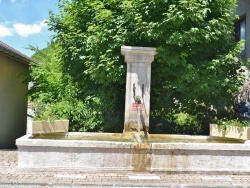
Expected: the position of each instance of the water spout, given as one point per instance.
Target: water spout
(138, 135)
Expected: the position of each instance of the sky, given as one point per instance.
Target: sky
(22, 23)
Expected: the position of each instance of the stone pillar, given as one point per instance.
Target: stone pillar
(138, 80)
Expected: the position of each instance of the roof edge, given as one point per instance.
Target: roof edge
(15, 54)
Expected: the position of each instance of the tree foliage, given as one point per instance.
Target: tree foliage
(55, 95)
(194, 72)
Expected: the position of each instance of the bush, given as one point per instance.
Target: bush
(82, 117)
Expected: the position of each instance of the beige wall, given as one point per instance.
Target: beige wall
(243, 9)
(13, 101)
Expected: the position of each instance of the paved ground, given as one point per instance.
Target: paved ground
(11, 177)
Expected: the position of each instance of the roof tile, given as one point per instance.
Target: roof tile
(14, 53)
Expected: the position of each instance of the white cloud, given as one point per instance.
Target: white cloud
(5, 31)
(25, 30)
(43, 23)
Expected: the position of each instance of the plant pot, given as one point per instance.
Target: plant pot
(45, 127)
(230, 132)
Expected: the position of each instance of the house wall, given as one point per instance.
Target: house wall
(243, 9)
(13, 101)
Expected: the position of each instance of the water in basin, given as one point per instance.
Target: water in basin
(132, 137)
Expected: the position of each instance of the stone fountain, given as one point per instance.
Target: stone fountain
(112, 151)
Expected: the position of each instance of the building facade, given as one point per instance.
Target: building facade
(242, 32)
(242, 26)
(13, 95)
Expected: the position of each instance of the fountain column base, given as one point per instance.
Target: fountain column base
(132, 127)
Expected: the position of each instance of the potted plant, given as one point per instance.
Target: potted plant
(44, 123)
(231, 129)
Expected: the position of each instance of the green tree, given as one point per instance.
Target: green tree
(56, 96)
(195, 70)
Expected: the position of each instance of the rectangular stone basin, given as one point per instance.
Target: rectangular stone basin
(111, 152)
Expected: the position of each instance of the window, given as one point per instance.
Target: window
(240, 30)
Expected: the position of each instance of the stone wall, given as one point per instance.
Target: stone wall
(133, 156)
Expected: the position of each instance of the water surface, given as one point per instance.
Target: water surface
(132, 137)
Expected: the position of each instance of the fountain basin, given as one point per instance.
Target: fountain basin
(94, 151)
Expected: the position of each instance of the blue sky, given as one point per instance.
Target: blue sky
(22, 23)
